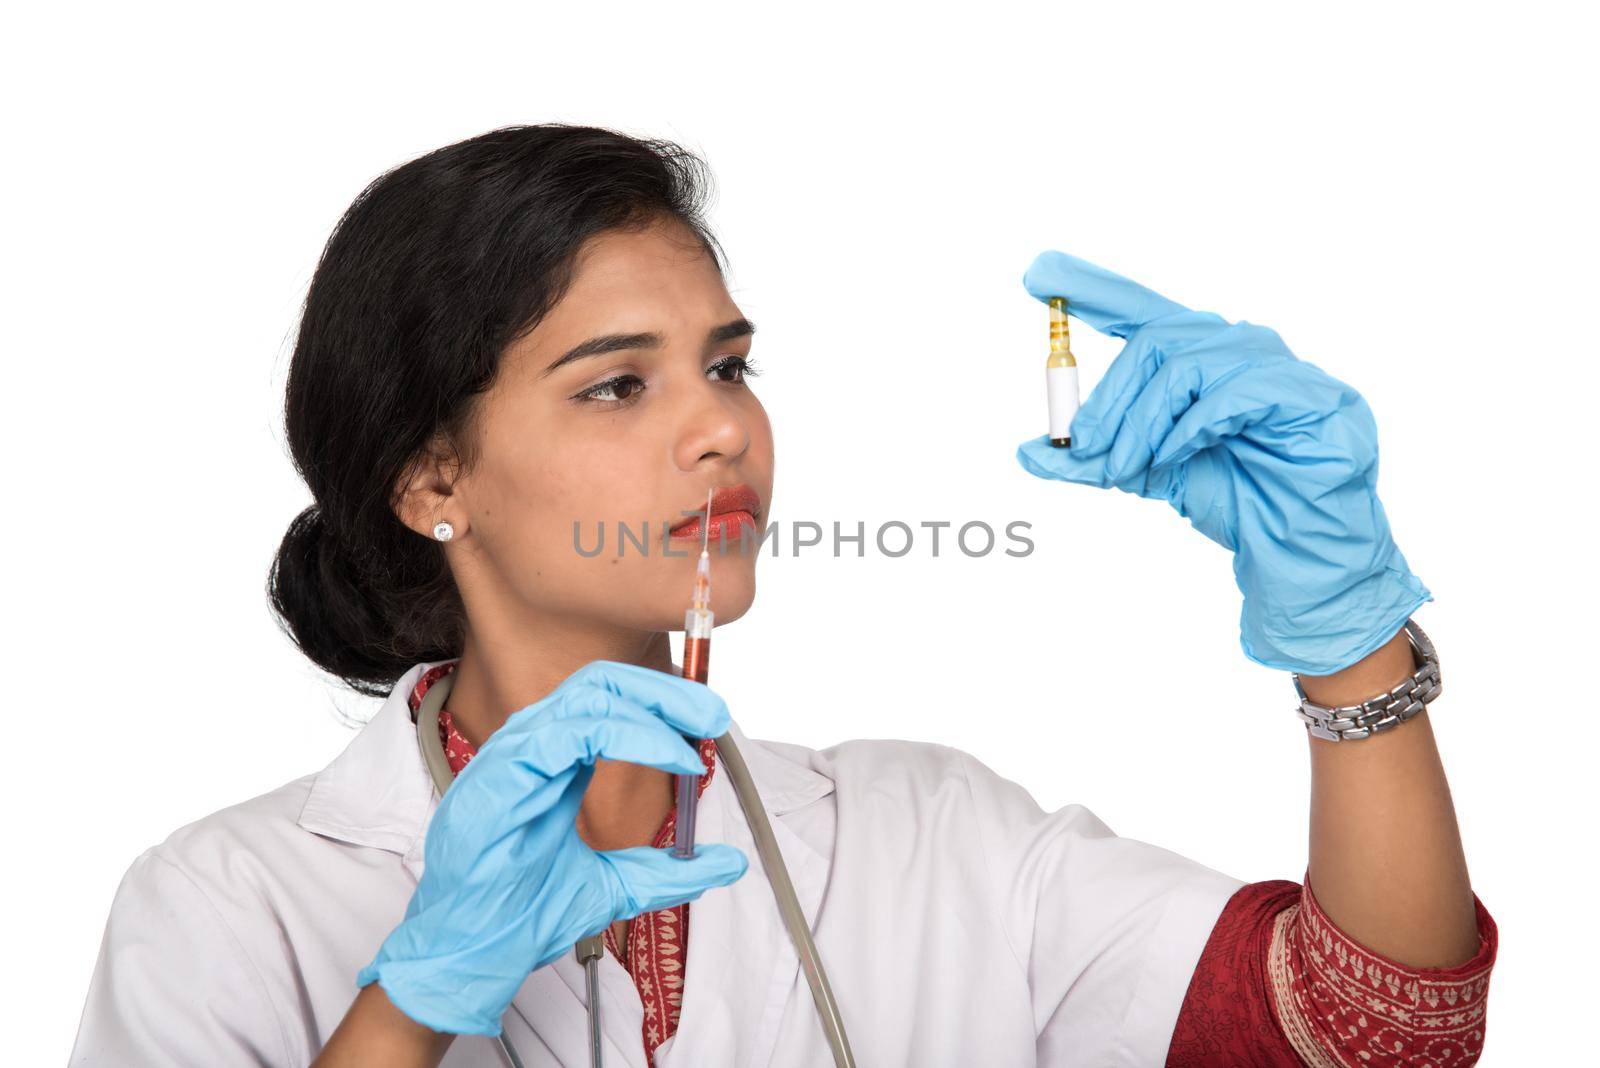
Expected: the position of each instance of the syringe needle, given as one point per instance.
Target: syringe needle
(705, 529)
(702, 572)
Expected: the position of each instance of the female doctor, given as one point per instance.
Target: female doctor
(530, 329)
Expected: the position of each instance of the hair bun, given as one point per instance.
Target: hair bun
(316, 593)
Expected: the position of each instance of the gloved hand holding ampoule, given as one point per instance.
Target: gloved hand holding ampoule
(507, 884)
(1262, 452)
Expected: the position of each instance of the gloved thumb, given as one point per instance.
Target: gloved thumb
(1038, 457)
(649, 879)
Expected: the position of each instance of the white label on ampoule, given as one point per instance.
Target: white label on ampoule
(1062, 385)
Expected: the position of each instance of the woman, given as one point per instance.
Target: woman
(527, 334)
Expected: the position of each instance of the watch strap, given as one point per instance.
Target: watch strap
(1349, 723)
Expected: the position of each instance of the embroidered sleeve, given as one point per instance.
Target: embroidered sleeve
(1278, 984)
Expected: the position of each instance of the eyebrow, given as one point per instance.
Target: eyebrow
(597, 346)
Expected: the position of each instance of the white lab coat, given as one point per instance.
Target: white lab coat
(960, 923)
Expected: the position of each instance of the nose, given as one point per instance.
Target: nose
(713, 429)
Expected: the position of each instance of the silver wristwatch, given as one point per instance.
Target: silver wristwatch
(1351, 723)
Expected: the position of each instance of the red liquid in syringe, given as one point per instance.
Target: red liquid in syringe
(696, 658)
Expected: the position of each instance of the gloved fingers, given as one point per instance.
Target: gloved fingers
(1098, 421)
(1132, 423)
(615, 730)
(1104, 299)
(1283, 410)
(538, 778)
(607, 688)
(495, 794)
(691, 707)
(1129, 390)
(1143, 424)
(648, 879)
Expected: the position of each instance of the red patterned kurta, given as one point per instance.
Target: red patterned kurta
(1277, 985)
(657, 941)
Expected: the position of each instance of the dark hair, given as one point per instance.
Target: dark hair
(432, 272)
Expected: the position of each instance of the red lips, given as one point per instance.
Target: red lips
(731, 508)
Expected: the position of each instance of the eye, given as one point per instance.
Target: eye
(738, 366)
(618, 388)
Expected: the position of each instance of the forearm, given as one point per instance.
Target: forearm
(375, 1032)
(1386, 863)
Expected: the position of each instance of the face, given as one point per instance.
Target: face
(621, 409)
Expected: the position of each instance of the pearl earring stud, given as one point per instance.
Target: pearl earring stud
(444, 532)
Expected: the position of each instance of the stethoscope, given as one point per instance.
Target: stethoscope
(590, 950)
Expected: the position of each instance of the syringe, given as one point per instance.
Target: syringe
(697, 623)
(696, 653)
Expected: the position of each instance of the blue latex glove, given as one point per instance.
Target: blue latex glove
(508, 885)
(1260, 451)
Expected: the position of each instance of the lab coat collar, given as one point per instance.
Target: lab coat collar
(742, 969)
(377, 792)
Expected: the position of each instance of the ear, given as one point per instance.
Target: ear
(424, 494)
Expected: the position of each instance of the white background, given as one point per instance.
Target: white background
(1405, 192)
